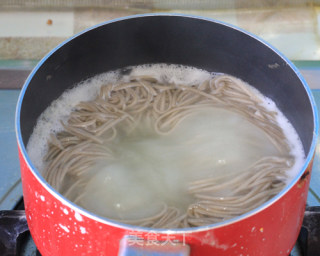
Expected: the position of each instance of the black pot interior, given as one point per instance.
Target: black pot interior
(174, 40)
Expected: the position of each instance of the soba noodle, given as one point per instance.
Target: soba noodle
(93, 124)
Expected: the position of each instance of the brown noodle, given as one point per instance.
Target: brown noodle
(75, 150)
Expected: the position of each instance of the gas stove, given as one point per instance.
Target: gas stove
(15, 238)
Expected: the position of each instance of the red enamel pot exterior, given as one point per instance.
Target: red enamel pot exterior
(59, 227)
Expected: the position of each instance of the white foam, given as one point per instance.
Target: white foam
(175, 74)
(295, 145)
(294, 142)
(60, 109)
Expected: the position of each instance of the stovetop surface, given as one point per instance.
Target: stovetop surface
(10, 181)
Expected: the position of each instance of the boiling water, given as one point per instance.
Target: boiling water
(150, 168)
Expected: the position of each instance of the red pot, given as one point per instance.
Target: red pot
(59, 227)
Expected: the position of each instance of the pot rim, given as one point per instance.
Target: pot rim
(107, 221)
